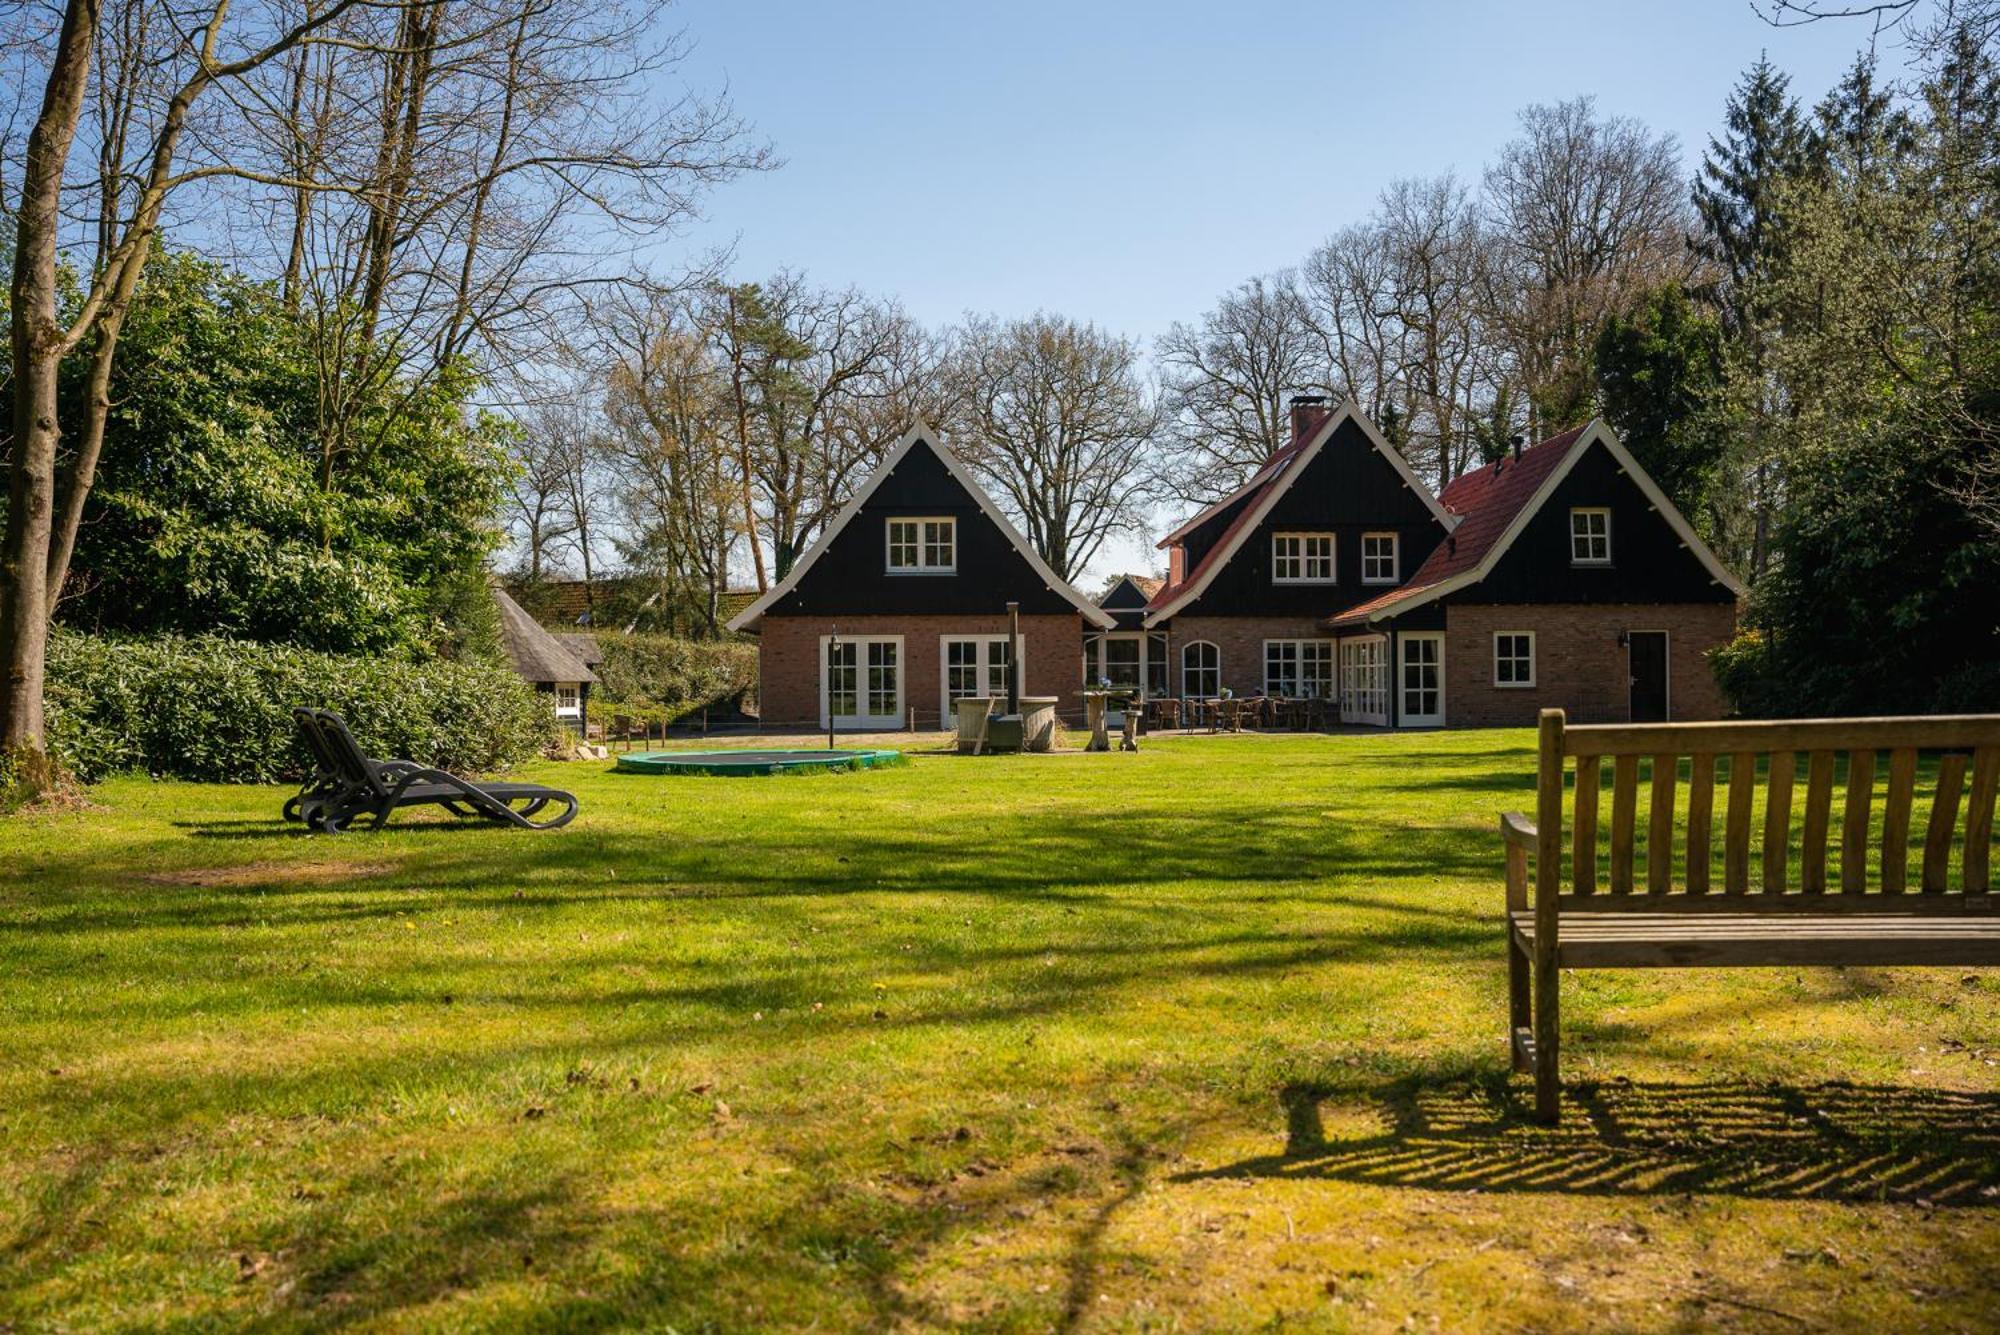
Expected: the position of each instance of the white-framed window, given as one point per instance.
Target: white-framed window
(1381, 558)
(1590, 536)
(1364, 680)
(1302, 558)
(923, 546)
(1513, 658)
(1201, 670)
(1298, 668)
(569, 700)
(861, 682)
(1423, 679)
(975, 665)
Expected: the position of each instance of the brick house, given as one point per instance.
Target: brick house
(1559, 576)
(900, 607)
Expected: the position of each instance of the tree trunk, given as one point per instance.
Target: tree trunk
(37, 350)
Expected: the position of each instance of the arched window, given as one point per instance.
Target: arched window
(1201, 670)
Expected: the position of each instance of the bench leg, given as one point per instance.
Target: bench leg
(1548, 1081)
(1519, 1013)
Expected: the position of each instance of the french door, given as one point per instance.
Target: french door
(861, 682)
(1364, 680)
(1422, 680)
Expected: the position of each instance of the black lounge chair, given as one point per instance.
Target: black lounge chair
(353, 784)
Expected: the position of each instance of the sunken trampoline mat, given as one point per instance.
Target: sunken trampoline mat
(753, 762)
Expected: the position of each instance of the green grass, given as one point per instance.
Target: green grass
(1209, 1036)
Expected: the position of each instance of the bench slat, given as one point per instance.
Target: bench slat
(1623, 940)
(1701, 808)
(1660, 826)
(1736, 834)
(1583, 840)
(1854, 821)
(1944, 816)
(1777, 820)
(1979, 820)
(1819, 813)
(1624, 808)
(1896, 820)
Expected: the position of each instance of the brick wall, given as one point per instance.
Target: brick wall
(1579, 666)
(788, 660)
(1241, 641)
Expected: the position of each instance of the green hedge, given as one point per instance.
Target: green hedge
(220, 710)
(662, 676)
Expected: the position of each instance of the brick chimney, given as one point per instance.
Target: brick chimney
(1308, 411)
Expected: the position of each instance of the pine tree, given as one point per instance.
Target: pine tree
(1858, 125)
(1741, 174)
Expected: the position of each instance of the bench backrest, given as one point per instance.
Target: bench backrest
(1927, 770)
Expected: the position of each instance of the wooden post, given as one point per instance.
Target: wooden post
(1548, 874)
(1520, 1010)
(1013, 665)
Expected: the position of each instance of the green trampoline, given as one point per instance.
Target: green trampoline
(753, 762)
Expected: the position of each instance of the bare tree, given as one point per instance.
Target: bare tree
(535, 497)
(1585, 212)
(1055, 415)
(1227, 378)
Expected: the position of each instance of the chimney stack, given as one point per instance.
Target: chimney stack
(1308, 411)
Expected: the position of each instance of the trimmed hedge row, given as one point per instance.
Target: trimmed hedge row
(669, 676)
(219, 710)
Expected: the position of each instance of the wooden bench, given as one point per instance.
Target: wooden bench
(1670, 908)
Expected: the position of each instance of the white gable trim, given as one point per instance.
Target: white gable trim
(1598, 432)
(750, 615)
(1347, 411)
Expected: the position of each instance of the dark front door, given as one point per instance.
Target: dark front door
(1648, 656)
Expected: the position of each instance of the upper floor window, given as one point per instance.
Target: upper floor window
(1590, 537)
(923, 546)
(1302, 558)
(1381, 558)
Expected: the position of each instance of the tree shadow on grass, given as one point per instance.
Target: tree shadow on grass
(1831, 1141)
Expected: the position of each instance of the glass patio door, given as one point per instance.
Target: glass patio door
(861, 683)
(1423, 681)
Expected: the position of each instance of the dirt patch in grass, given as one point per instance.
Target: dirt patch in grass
(264, 873)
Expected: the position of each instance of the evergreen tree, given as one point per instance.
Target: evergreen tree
(1658, 371)
(1735, 195)
(1858, 125)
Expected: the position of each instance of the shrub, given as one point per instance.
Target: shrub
(220, 710)
(1745, 672)
(674, 676)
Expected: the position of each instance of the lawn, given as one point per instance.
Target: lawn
(1210, 1036)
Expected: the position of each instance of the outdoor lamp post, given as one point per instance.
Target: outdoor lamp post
(832, 646)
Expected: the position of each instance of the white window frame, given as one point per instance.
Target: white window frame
(1395, 574)
(993, 674)
(1301, 559)
(1326, 681)
(1201, 644)
(1589, 539)
(1403, 714)
(924, 544)
(569, 699)
(1498, 658)
(863, 722)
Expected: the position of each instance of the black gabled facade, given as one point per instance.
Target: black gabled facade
(1650, 562)
(1347, 489)
(850, 577)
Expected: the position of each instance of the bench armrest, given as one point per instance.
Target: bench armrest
(1519, 834)
(1518, 829)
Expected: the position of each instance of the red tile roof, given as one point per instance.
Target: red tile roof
(1488, 498)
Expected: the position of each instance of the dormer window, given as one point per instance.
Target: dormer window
(1381, 558)
(1590, 537)
(923, 546)
(1302, 558)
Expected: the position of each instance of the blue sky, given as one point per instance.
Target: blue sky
(1126, 163)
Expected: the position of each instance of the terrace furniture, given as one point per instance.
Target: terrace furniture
(1867, 913)
(358, 785)
(1166, 711)
(1095, 706)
